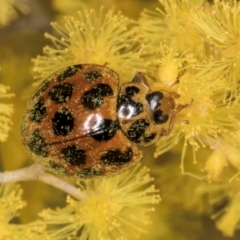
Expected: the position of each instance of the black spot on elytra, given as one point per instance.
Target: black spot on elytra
(153, 99)
(132, 90)
(38, 112)
(63, 122)
(105, 130)
(61, 93)
(89, 172)
(74, 155)
(116, 157)
(37, 144)
(40, 89)
(159, 118)
(136, 132)
(92, 76)
(93, 98)
(68, 72)
(127, 107)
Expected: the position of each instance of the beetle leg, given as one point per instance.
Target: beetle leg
(140, 78)
(174, 113)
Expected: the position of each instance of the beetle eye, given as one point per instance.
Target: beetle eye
(153, 99)
(159, 118)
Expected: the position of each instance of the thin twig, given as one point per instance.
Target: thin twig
(37, 172)
(61, 184)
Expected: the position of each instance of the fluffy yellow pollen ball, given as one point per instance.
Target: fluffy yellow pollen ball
(168, 73)
(215, 165)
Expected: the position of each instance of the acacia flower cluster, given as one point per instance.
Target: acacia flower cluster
(104, 37)
(114, 208)
(198, 43)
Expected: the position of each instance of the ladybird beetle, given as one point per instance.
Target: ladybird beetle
(79, 124)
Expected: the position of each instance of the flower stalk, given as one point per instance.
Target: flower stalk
(37, 172)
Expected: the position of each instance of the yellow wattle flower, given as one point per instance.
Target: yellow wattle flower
(94, 37)
(114, 208)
